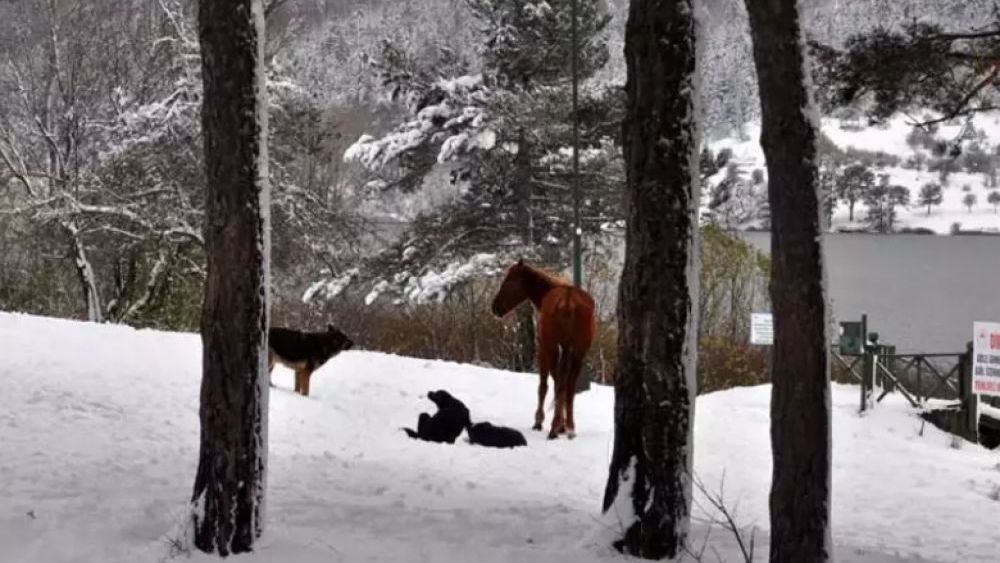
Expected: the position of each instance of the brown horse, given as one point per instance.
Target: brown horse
(565, 330)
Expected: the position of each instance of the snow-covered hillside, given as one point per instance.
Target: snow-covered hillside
(911, 170)
(99, 436)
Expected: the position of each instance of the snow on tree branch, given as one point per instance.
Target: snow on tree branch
(458, 122)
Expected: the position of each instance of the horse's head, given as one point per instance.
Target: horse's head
(512, 291)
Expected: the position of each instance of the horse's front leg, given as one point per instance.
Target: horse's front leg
(544, 368)
(543, 387)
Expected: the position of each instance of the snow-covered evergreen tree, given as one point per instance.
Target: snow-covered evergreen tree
(916, 63)
(930, 195)
(504, 134)
(882, 201)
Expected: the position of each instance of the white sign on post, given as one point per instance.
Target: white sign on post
(986, 358)
(762, 329)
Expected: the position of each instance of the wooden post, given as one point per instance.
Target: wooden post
(866, 365)
(867, 375)
(864, 327)
(920, 379)
(878, 381)
(970, 401)
(888, 351)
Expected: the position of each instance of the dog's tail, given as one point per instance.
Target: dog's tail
(410, 432)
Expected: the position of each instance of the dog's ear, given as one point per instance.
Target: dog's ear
(329, 328)
(520, 261)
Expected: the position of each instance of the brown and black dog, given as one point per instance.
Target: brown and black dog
(304, 352)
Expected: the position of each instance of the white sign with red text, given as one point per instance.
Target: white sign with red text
(986, 358)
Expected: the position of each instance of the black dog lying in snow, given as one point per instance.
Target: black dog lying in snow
(452, 417)
(485, 434)
(447, 423)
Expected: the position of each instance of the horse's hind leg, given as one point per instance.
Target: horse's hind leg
(574, 375)
(558, 419)
(543, 387)
(561, 377)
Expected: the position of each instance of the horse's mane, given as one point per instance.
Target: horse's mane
(542, 275)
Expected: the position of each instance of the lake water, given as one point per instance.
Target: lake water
(921, 293)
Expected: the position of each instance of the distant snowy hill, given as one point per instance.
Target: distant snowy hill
(908, 157)
(99, 441)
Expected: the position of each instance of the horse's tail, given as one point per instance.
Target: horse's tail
(563, 363)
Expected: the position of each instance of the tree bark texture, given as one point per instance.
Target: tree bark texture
(526, 334)
(228, 499)
(800, 400)
(649, 482)
(85, 273)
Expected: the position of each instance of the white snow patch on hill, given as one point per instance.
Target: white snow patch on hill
(891, 139)
(99, 439)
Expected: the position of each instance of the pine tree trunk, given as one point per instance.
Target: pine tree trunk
(526, 337)
(649, 481)
(85, 274)
(228, 498)
(523, 188)
(800, 400)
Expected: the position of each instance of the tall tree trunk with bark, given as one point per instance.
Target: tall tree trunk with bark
(525, 313)
(800, 400)
(228, 499)
(526, 335)
(85, 273)
(649, 482)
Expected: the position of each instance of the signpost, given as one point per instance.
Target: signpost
(762, 329)
(762, 334)
(852, 337)
(986, 358)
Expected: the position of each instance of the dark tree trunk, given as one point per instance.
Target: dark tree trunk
(526, 337)
(800, 401)
(85, 273)
(228, 494)
(649, 480)
(523, 188)
(525, 313)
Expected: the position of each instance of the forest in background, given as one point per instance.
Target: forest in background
(456, 139)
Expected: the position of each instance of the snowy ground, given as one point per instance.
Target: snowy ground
(891, 139)
(98, 443)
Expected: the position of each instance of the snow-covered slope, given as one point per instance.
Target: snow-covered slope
(99, 436)
(891, 139)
